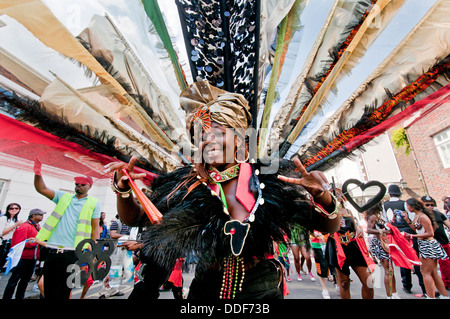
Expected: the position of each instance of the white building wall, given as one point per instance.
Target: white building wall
(380, 161)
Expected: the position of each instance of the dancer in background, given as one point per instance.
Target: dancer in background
(346, 252)
(395, 204)
(318, 241)
(301, 249)
(440, 235)
(430, 250)
(379, 247)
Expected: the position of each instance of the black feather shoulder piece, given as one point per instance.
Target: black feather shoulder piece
(194, 221)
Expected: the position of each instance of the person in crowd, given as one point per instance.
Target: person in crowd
(446, 206)
(175, 281)
(430, 250)
(104, 231)
(318, 241)
(135, 244)
(226, 208)
(398, 208)
(75, 218)
(117, 230)
(362, 223)
(346, 252)
(379, 247)
(22, 273)
(282, 250)
(440, 235)
(301, 249)
(8, 224)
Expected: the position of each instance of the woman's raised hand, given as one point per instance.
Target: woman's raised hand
(314, 182)
(121, 178)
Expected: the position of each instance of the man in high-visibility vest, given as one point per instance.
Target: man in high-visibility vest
(75, 217)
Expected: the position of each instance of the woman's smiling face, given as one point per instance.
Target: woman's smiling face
(218, 146)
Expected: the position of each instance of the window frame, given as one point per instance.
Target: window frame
(445, 158)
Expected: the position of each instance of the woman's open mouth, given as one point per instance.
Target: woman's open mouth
(212, 152)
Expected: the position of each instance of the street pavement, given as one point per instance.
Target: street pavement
(305, 289)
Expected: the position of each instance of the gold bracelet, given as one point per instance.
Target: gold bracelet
(117, 190)
(322, 211)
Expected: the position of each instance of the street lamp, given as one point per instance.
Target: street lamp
(403, 184)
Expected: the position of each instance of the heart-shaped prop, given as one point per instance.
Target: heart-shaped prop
(371, 202)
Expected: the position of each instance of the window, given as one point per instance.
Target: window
(442, 142)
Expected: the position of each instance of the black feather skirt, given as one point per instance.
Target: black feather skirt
(194, 222)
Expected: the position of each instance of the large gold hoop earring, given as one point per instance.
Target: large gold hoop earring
(238, 161)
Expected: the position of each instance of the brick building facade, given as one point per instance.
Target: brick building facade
(412, 180)
(429, 136)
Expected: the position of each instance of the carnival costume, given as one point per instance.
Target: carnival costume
(235, 258)
(429, 248)
(379, 245)
(346, 250)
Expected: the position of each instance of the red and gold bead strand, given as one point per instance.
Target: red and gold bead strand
(233, 270)
(230, 276)
(224, 277)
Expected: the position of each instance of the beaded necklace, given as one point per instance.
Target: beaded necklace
(234, 269)
(233, 265)
(219, 177)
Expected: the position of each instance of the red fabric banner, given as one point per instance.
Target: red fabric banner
(435, 99)
(27, 142)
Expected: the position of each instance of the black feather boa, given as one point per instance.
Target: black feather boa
(194, 223)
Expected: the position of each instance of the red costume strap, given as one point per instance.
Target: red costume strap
(340, 252)
(365, 252)
(215, 188)
(243, 194)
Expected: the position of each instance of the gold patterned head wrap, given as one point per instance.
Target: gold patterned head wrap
(202, 100)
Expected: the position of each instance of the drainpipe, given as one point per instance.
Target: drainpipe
(422, 179)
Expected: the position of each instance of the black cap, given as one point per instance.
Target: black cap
(428, 198)
(36, 211)
(394, 190)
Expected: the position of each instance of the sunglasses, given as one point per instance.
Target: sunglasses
(15, 208)
(428, 205)
(80, 184)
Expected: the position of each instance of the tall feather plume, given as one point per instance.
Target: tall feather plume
(31, 112)
(399, 69)
(326, 79)
(222, 39)
(393, 104)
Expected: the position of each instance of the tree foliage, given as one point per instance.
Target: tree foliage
(400, 139)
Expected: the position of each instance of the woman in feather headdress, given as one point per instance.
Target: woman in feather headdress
(223, 208)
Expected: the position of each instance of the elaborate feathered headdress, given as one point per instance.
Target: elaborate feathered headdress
(203, 102)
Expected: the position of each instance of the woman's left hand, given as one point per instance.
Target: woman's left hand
(314, 182)
(131, 245)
